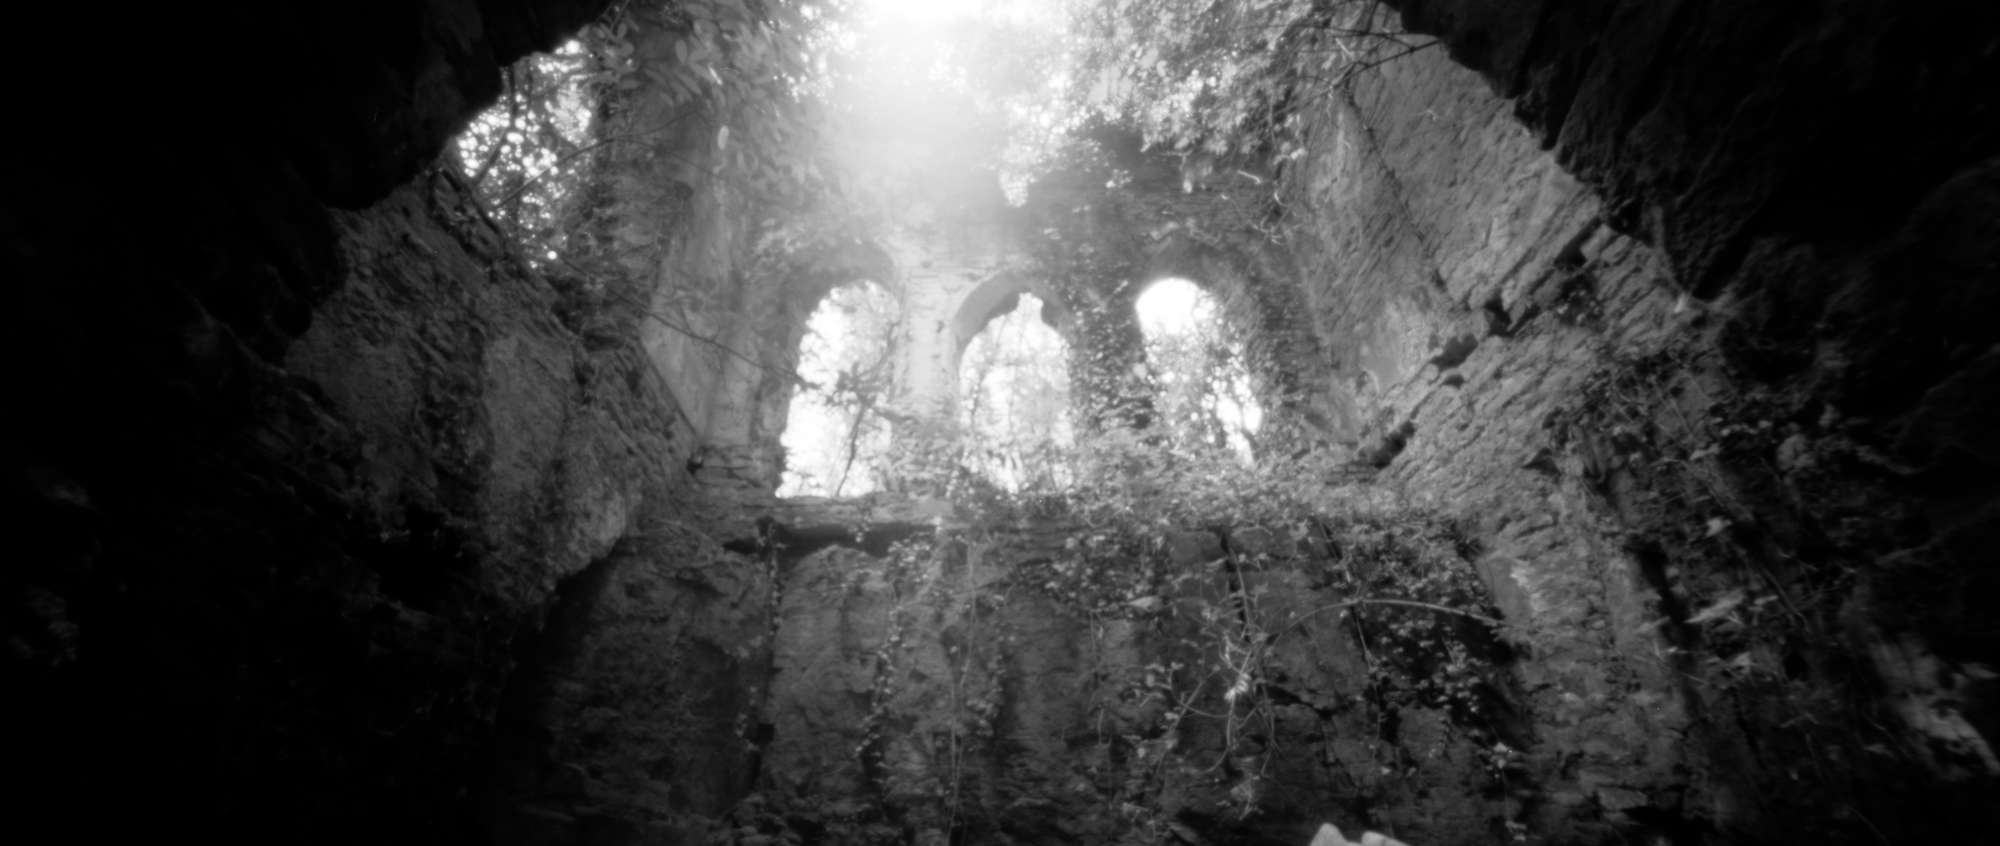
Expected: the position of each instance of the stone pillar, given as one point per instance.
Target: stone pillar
(936, 276)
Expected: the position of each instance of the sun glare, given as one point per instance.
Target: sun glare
(1173, 307)
(921, 10)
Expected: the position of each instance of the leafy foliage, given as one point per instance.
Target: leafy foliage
(1714, 485)
(526, 154)
(758, 71)
(1417, 656)
(1224, 78)
(1316, 573)
(731, 89)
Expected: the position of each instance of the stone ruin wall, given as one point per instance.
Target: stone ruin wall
(482, 523)
(1442, 245)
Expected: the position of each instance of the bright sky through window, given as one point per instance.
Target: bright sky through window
(835, 433)
(1174, 307)
(920, 10)
(1013, 400)
(1204, 380)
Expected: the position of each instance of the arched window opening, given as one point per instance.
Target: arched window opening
(1013, 401)
(836, 435)
(1205, 398)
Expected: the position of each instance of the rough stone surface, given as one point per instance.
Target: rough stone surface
(476, 400)
(1672, 386)
(341, 526)
(298, 481)
(961, 685)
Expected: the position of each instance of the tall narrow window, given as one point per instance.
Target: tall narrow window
(1205, 400)
(835, 434)
(1013, 400)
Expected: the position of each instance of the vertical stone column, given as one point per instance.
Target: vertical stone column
(936, 275)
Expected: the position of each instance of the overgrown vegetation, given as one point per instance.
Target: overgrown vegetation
(1758, 555)
(1220, 575)
(839, 133)
(1215, 663)
(711, 120)
(596, 149)
(526, 154)
(1226, 81)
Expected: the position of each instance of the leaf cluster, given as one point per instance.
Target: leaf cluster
(731, 90)
(527, 153)
(1223, 79)
(1417, 657)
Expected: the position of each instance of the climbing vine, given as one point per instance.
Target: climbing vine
(1301, 559)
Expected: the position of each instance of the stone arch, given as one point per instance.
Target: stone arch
(817, 274)
(995, 296)
(733, 378)
(814, 277)
(992, 297)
